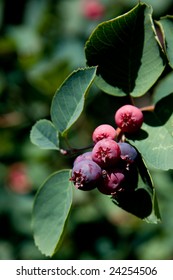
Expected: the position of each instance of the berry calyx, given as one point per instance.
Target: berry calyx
(103, 131)
(129, 118)
(106, 153)
(86, 174)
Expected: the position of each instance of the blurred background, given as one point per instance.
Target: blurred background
(41, 42)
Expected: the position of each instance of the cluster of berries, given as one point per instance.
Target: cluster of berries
(110, 166)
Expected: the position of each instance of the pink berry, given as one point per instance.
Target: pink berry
(104, 131)
(106, 153)
(129, 118)
(93, 9)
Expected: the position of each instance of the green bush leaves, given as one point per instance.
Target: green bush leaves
(124, 57)
(127, 54)
(50, 212)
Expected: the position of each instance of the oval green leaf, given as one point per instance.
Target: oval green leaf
(51, 208)
(127, 54)
(68, 102)
(44, 135)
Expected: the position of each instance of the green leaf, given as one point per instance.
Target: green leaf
(68, 102)
(51, 208)
(127, 54)
(164, 88)
(44, 135)
(155, 141)
(166, 24)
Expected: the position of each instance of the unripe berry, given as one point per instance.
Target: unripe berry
(86, 174)
(129, 118)
(103, 131)
(128, 152)
(106, 153)
(87, 155)
(112, 181)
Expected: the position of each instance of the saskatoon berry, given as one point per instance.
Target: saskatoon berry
(93, 9)
(86, 174)
(129, 118)
(106, 153)
(128, 152)
(112, 181)
(103, 131)
(119, 180)
(87, 155)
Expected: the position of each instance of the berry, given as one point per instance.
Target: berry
(106, 153)
(87, 155)
(121, 179)
(128, 152)
(93, 9)
(18, 178)
(103, 131)
(86, 174)
(129, 118)
(111, 182)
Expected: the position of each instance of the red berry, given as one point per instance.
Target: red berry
(93, 9)
(104, 131)
(106, 153)
(123, 178)
(129, 118)
(112, 181)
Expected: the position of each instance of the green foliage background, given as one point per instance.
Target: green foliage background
(41, 43)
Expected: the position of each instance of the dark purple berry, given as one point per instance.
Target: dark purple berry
(87, 155)
(106, 153)
(103, 131)
(86, 174)
(129, 118)
(128, 152)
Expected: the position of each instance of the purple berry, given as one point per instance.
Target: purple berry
(86, 174)
(120, 179)
(106, 153)
(129, 118)
(103, 131)
(87, 155)
(112, 181)
(128, 152)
